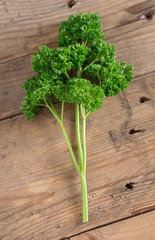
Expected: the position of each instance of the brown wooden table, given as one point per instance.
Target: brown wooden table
(40, 195)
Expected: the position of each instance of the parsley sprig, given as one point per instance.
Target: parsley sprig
(82, 71)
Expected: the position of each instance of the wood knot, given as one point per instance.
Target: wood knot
(135, 130)
(144, 99)
(148, 15)
(130, 185)
(71, 3)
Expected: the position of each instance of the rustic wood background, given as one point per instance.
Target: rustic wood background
(40, 195)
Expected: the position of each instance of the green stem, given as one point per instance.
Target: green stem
(62, 111)
(70, 148)
(39, 104)
(79, 72)
(91, 63)
(52, 109)
(78, 134)
(50, 104)
(84, 43)
(83, 175)
(84, 199)
(66, 74)
(84, 139)
(82, 154)
(87, 114)
(99, 79)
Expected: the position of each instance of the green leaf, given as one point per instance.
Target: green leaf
(103, 51)
(82, 28)
(81, 90)
(96, 62)
(36, 90)
(115, 77)
(111, 75)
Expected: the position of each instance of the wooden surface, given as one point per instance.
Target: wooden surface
(40, 195)
(124, 25)
(140, 227)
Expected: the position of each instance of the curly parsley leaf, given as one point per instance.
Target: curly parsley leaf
(82, 28)
(96, 62)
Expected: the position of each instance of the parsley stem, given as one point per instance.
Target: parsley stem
(91, 63)
(99, 79)
(70, 148)
(66, 74)
(84, 43)
(79, 72)
(84, 198)
(78, 134)
(52, 106)
(84, 139)
(83, 174)
(52, 109)
(62, 111)
(41, 105)
(82, 153)
(87, 114)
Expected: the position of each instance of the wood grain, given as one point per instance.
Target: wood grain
(137, 228)
(24, 25)
(40, 195)
(134, 43)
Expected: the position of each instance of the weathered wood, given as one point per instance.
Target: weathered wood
(135, 43)
(137, 228)
(27, 24)
(40, 195)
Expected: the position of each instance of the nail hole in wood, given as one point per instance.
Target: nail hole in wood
(71, 3)
(129, 185)
(144, 99)
(148, 15)
(134, 130)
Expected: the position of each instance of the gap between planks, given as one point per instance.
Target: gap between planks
(54, 45)
(30, 54)
(114, 223)
(37, 20)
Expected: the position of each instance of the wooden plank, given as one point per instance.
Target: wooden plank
(137, 228)
(27, 24)
(135, 43)
(40, 195)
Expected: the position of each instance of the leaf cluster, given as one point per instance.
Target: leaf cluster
(82, 28)
(82, 48)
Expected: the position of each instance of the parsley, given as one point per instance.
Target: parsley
(82, 70)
